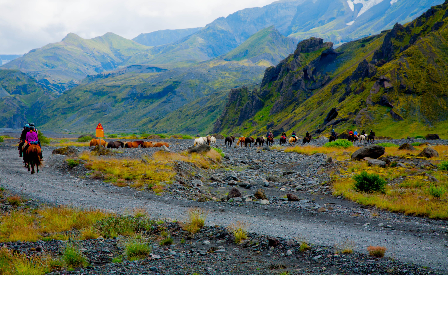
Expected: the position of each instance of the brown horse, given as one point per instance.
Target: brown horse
(115, 144)
(97, 142)
(306, 139)
(147, 144)
(241, 141)
(229, 140)
(259, 141)
(332, 138)
(31, 156)
(270, 141)
(249, 140)
(283, 140)
(133, 144)
(160, 144)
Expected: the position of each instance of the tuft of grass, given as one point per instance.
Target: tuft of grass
(387, 144)
(196, 220)
(304, 247)
(443, 165)
(117, 260)
(239, 231)
(345, 247)
(1, 139)
(89, 233)
(416, 144)
(21, 264)
(73, 257)
(369, 183)
(376, 251)
(167, 239)
(114, 226)
(436, 191)
(72, 162)
(219, 150)
(14, 200)
(137, 250)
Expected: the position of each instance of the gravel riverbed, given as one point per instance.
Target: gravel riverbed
(417, 245)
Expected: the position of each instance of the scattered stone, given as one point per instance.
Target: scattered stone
(69, 151)
(292, 198)
(199, 149)
(428, 152)
(289, 252)
(273, 242)
(264, 202)
(234, 192)
(406, 146)
(373, 152)
(259, 194)
(374, 162)
(196, 183)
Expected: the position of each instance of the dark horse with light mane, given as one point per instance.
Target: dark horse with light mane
(31, 156)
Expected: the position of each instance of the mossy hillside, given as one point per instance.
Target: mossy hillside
(416, 73)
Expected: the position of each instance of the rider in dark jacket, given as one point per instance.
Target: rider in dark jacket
(25, 130)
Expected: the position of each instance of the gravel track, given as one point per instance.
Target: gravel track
(419, 241)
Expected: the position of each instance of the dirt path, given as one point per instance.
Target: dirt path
(415, 242)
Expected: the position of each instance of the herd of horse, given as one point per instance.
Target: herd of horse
(32, 153)
(260, 141)
(129, 144)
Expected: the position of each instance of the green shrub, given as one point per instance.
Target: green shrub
(339, 143)
(419, 137)
(436, 191)
(366, 182)
(112, 135)
(443, 165)
(163, 136)
(137, 250)
(415, 144)
(43, 139)
(1, 139)
(85, 138)
(219, 150)
(122, 225)
(72, 163)
(73, 257)
(187, 137)
(304, 247)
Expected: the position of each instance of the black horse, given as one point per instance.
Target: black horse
(270, 141)
(229, 141)
(306, 139)
(332, 138)
(283, 140)
(259, 141)
(371, 137)
(115, 144)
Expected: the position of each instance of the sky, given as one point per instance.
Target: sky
(30, 24)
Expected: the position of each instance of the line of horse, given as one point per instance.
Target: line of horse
(364, 138)
(260, 141)
(129, 144)
(209, 140)
(31, 157)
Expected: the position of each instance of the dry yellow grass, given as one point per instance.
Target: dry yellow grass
(239, 231)
(336, 153)
(195, 222)
(153, 172)
(377, 251)
(53, 222)
(411, 196)
(20, 264)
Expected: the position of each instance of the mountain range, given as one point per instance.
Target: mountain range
(395, 83)
(178, 80)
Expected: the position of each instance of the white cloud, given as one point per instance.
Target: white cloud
(29, 24)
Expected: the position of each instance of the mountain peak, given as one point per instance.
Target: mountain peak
(71, 37)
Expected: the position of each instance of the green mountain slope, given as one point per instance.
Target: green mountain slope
(146, 98)
(395, 83)
(62, 65)
(21, 98)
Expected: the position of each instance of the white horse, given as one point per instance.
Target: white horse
(362, 138)
(199, 141)
(213, 140)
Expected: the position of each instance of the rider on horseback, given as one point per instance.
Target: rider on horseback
(294, 135)
(32, 138)
(25, 130)
(333, 132)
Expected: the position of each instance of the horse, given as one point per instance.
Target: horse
(160, 144)
(241, 141)
(249, 140)
(97, 142)
(133, 144)
(147, 144)
(115, 144)
(259, 141)
(292, 140)
(213, 140)
(306, 139)
(283, 140)
(270, 141)
(351, 137)
(31, 156)
(371, 137)
(229, 140)
(332, 138)
(201, 140)
(362, 138)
